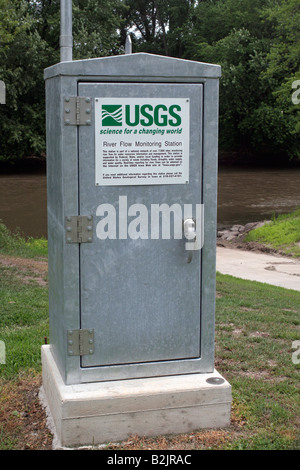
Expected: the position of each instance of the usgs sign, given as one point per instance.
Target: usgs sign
(145, 115)
(142, 141)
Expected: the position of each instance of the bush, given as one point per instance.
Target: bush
(15, 244)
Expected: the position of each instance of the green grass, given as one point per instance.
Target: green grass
(282, 233)
(23, 304)
(23, 321)
(13, 243)
(256, 325)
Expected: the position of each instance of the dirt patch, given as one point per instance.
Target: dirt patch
(22, 418)
(259, 334)
(29, 270)
(194, 440)
(240, 244)
(265, 375)
(237, 331)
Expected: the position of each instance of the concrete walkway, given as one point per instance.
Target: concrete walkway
(270, 269)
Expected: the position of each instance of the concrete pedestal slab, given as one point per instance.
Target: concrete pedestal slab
(95, 413)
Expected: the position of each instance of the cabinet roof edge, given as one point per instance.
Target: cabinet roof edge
(135, 65)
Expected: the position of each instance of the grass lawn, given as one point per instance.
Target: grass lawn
(256, 326)
(282, 233)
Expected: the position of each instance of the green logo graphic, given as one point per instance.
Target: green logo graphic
(111, 115)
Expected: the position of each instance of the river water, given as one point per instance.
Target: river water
(252, 195)
(244, 195)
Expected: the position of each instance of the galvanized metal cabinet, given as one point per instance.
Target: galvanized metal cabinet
(142, 309)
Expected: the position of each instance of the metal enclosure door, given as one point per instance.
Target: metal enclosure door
(141, 296)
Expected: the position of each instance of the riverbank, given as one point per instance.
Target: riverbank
(236, 237)
(280, 236)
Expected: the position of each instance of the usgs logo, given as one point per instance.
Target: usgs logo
(145, 115)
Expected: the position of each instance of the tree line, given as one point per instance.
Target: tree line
(257, 43)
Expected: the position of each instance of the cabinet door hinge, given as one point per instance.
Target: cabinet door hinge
(77, 111)
(80, 342)
(79, 229)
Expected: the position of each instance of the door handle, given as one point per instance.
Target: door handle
(189, 231)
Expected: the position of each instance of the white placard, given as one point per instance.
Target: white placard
(142, 141)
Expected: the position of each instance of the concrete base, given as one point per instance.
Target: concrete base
(96, 413)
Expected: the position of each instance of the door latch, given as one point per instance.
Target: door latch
(189, 231)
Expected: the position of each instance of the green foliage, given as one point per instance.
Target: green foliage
(9, 24)
(282, 233)
(16, 244)
(29, 45)
(242, 57)
(23, 321)
(257, 43)
(95, 28)
(275, 120)
(158, 26)
(284, 57)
